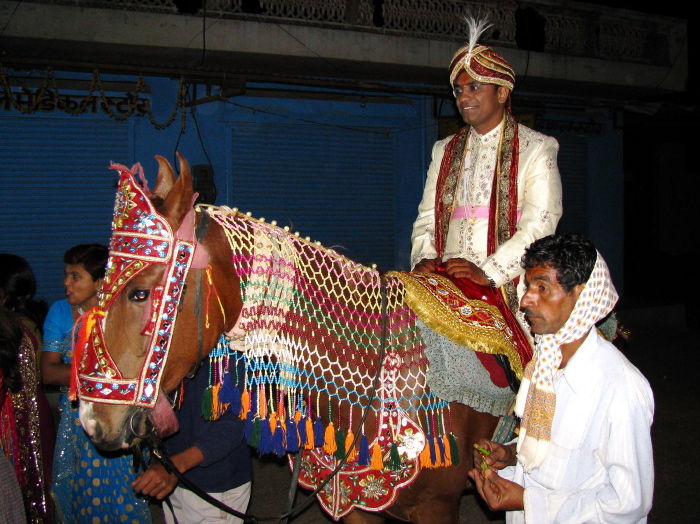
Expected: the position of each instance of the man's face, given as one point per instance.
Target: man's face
(481, 105)
(546, 304)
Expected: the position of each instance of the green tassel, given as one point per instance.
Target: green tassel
(255, 436)
(340, 442)
(207, 403)
(394, 458)
(454, 452)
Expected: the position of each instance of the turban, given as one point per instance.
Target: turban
(480, 61)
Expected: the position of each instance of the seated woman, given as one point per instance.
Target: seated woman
(87, 484)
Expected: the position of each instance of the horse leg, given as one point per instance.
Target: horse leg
(434, 496)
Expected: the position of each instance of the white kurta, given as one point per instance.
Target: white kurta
(539, 203)
(599, 467)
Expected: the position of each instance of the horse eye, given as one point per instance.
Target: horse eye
(139, 295)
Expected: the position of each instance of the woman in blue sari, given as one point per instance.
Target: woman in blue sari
(88, 486)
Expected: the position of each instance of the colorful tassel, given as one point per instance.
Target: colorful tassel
(340, 444)
(425, 456)
(448, 451)
(377, 462)
(216, 407)
(245, 404)
(278, 440)
(351, 451)
(248, 428)
(230, 394)
(303, 436)
(207, 404)
(292, 436)
(255, 436)
(431, 445)
(394, 463)
(265, 443)
(329, 444)
(318, 433)
(273, 419)
(454, 451)
(363, 454)
(310, 437)
(440, 455)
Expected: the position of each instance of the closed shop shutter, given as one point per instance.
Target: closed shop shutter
(56, 189)
(333, 185)
(573, 166)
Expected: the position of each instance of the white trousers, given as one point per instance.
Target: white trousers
(190, 509)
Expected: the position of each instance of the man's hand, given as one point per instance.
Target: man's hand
(498, 493)
(497, 456)
(155, 482)
(427, 265)
(461, 268)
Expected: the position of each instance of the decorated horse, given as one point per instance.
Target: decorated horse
(337, 366)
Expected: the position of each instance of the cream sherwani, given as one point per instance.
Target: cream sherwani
(539, 203)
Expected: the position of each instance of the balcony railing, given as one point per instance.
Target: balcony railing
(549, 26)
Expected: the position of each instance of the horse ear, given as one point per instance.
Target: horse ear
(178, 201)
(165, 180)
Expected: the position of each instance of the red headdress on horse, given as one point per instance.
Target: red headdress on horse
(140, 237)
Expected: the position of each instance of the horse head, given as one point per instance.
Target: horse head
(164, 260)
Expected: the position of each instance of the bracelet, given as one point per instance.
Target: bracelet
(491, 282)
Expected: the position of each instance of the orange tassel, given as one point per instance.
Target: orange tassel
(297, 416)
(348, 442)
(245, 404)
(273, 421)
(88, 322)
(216, 406)
(329, 445)
(425, 456)
(309, 434)
(377, 462)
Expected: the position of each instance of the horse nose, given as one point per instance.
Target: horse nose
(89, 425)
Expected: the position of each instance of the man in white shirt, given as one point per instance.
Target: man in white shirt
(584, 451)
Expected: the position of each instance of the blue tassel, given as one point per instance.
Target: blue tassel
(303, 438)
(265, 444)
(278, 441)
(363, 455)
(441, 445)
(319, 433)
(230, 394)
(248, 428)
(431, 443)
(292, 437)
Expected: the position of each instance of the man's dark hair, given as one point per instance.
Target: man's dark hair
(93, 257)
(572, 255)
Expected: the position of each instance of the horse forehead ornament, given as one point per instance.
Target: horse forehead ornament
(141, 237)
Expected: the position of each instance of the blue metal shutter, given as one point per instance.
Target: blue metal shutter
(573, 166)
(333, 185)
(56, 189)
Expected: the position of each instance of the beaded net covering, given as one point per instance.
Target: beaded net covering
(311, 333)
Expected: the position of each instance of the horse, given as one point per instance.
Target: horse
(343, 344)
